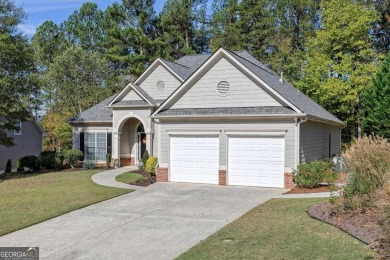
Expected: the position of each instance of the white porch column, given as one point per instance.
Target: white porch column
(116, 140)
(149, 143)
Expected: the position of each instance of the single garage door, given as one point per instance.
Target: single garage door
(256, 161)
(194, 159)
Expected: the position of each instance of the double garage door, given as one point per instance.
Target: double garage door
(252, 160)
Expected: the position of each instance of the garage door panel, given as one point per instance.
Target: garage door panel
(194, 159)
(256, 161)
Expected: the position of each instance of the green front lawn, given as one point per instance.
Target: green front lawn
(32, 198)
(279, 229)
(129, 177)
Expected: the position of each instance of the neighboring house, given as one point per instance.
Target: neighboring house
(223, 118)
(28, 140)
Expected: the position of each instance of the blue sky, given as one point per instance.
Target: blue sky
(39, 11)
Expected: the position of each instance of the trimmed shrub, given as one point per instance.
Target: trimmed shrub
(145, 157)
(88, 165)
(311, 175)
(73, 156)
(108, 160)
(19, 167)
(8, 166)
(47, 160)
(31, 162)
(151, 165)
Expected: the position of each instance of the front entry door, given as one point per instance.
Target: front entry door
(141, 141)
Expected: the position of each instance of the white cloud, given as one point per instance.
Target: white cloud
(27, 29)
(38, 6)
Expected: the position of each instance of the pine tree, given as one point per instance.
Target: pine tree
(16, 64)
(225, 29)
(85, 28)
(178, 24)
(376, 103)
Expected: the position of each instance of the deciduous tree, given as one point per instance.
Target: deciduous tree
(341, 61)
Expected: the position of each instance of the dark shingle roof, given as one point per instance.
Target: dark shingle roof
(188, 64)
(97, 113)
(228, 111)
(181, 70)
(288, 91)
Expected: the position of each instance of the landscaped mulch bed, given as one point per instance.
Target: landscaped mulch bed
(363, 225)
(148, 179)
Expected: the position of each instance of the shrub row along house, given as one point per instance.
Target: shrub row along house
(223, 118)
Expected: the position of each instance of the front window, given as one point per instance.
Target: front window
(95, 146)
(18, 132)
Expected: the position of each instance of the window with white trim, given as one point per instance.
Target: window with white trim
(95, 146)
(18, 132)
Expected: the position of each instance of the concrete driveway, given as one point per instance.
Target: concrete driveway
(158, 222)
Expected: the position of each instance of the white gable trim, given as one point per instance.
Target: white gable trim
(201, 69)
(125, 91)
(152, 67)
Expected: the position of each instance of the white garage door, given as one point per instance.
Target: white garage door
(194, 159)
(256, 161)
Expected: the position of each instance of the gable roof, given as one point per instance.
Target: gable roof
(98, 113)
(153, 66)
(139, 91)
(298, 101)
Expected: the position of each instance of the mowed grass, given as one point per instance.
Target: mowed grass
(279, 229)
(32, 198)
(129, 177)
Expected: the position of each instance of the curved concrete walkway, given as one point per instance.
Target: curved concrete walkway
(107, 178)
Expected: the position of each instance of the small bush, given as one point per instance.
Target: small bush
(88, 165)
(108, 160)
(311, 175)
(145, 157)
(73, 156)
(151, 165)
(31, 162)
(19, 167)
(50, 160)
(8, 166)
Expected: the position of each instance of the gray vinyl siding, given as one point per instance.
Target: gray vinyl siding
(314, 139)
(29, 143)
(160, 74)
(244, 92)
(221, 127)
(132, 96)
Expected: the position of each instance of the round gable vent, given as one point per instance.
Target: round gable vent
(223, 88)
(160, 85)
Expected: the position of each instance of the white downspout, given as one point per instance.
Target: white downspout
(298, 122)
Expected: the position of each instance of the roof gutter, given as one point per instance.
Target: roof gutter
(314, 118)
(229, 116)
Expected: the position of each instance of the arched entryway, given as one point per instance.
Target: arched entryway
(133, 142)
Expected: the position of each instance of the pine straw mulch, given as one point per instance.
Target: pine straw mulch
(363, 224)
